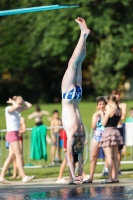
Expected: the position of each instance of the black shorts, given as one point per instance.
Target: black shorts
(39, 123)
(75, 158)
(120, 147)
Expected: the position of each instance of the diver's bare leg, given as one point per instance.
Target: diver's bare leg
(79, 68)
(77, 56)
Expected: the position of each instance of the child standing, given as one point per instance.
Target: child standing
(55, 122)
(98, 130)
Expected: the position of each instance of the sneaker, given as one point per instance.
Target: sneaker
(86, 177)
(28, 179)
(52, 163)
(60, 180)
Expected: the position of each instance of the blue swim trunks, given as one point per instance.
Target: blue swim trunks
(75, 93)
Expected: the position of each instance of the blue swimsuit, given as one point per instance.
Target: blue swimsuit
(99, 130)
(75, 93)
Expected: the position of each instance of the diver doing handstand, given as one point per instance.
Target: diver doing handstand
(71, 95)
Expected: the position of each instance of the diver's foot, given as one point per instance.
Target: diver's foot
(82, 24)
(83, 21)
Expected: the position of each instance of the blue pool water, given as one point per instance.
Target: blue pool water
(75, 193)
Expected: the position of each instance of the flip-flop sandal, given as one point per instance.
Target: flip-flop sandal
(87, 181)
(4, 181)
(28, 179)
(117, 181)
(106, 182)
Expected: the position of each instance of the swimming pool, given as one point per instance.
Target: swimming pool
(74, 193)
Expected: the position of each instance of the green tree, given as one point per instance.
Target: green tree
(114, 56)
(35, 48)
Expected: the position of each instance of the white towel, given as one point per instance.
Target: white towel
(129, 133)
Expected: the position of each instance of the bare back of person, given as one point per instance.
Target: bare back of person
(123, 106)
(115, 111)
(38, 116)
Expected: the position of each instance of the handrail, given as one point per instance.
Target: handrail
(48, 128)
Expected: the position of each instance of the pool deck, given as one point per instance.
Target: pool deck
(51, 183)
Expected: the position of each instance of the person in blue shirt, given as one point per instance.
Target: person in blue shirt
(130, 118)
(98, 130)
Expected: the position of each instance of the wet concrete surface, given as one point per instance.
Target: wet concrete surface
(47, 189)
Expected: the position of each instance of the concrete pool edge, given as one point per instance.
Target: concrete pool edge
(51, 183)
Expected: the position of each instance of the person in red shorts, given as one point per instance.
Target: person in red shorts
(21, 132)
(64, 163)
(12, 114)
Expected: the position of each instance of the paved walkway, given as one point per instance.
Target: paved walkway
(51, 183)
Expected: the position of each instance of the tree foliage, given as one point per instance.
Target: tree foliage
(114, 55)
(35, 48)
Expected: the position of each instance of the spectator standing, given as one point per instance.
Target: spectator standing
(21, 132)
(12, 114)
(130, 118)
(37, 115)
(123, 106)
(111, 137)
(55, 135)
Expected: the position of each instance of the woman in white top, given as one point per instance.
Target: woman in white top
(12, 114)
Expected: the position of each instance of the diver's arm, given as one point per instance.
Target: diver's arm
(80, 164)
(70, 142)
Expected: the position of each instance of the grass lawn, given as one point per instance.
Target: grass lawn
(86, 109)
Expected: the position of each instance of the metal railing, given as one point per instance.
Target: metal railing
(26, 149)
